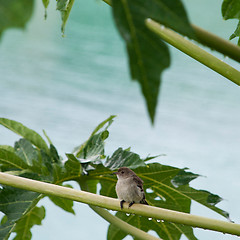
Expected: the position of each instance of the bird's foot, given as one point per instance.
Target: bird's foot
(121, 204)
(131, 203)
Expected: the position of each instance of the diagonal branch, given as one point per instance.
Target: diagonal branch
(194, 51)
(111, 203)
(126, 227)
(212, 41)
(119, 223)
(217, 43)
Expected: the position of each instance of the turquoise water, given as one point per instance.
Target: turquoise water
(68, 85)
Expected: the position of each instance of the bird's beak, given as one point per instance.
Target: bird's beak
(115, 173)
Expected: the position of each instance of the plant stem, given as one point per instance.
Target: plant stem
(129, 229)
(194, 51)
(111, 203)
(219, 44)
(119, 223)
(212, 41)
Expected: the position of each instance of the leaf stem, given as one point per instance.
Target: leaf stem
(212, 41)
(217, 43)
(194, 51)
(129, 229)
(111, 203)
(119, 223)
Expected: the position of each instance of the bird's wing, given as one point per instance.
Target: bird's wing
(139, 182)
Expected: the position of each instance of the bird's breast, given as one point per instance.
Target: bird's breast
(128, 190)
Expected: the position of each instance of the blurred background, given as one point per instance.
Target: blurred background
(67, 86)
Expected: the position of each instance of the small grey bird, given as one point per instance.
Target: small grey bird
(129, 187)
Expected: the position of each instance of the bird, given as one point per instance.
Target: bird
(129, 187)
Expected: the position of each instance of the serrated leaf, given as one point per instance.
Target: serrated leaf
(101, 136)
(183, 178)
(64, 6)
(165, 187)
(15, 203)
(23, 227)
(148, 55)
(25, 132)
(205, 198)
(63, 203)
(159, 178)
(123, 158)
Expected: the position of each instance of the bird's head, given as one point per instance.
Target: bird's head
(124, 172)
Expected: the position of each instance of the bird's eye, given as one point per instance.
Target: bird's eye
(122, 172)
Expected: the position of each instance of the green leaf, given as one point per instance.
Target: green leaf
(123, 158)
(164, 229)
(11, 160)
(165, 187)
(35, 163)
(98, 138)
(148, 55)
(167, 194)
(7, 147)
(94, 147)
(183, 178)
(236, 33)
(73, 165)
(25, 150)
(15, 203)
(47, 137)
(64, 6)
(107, 122)
(54, 154)
(71, 170)
(46, 161)
(25, 132)
(103, 174)
(231, 10)
(45, 4)
(65, 204)
(23, 227)
(15, 13)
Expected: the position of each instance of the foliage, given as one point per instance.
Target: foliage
(148, 54)
(231, 10)
(15, 14)
(65, 8)
(32, 157)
